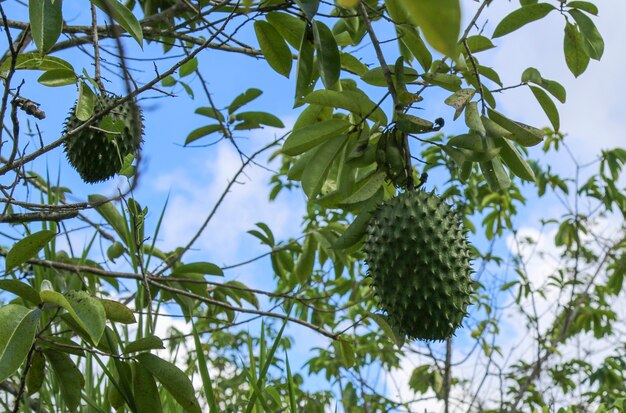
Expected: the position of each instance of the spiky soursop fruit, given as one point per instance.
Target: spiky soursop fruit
(419, 260)
(97, 153)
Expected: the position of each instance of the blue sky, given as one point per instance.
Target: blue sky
(193, 178)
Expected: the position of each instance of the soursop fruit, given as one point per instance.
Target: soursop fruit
(98, 152)
(418, 257)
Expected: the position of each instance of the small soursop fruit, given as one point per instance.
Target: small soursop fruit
(98, 153)
(418, 256)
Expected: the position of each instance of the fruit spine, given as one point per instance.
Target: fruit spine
(98, 152)
(418, 257)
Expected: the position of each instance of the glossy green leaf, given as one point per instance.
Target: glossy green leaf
(413, 124)
(585, 6)
(439, 20)
(305, 81)
(548, 106)
(554, 88)
(472, 119)
(514, 160)
(309, 7)
(201, 132)
(496, 176)
(413, 41)
(173, 379)
(207, 268)
(366, 188)
(118, 312)
(147, 399)
(87, 311)
(328, 57)
(188, 67)
(210, 112)
(46, 22)
(290, 27)
(21, 290)
(58, 77)
(274, 48)
(35, 61)
(523, 134)
(303, 139)
(260, 118)
(306, 260)
(36, 373)
(27, 248)
(18, 326)
(521, 17)
(69, 378)
(574, 48)
(376, 76)
(85, 104)
(356, 102)
(110, 214)
(592, 38)
(479, 43)
(316, 171)
(144, 344)
(120, 13)
(354, 233)
(352, 64)
(244, 98)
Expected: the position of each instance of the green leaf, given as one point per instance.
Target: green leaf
(110, 214)
(27, 248)
(548, 106)
(316, 171)
(305, 81)
(261, 118)
(366, 188)
(554, 88)
(413, 124)
(387, 330)
(472, 119)
(85, 103)
(347, 353)
(290, 27)
(574, 48)
(309, 7)
(356, 102)
(145, 390)
(173, 379)
(207, 268)
(87, 311)
(120, 13)
(352, 64)
(459, 99)
(354, 233)
(36, 373)
(307, 137)
(496, 176)
(376, 76)
(18, 326)
(274, 48)
(46, 22)
(514, 160)
(204, 371)
(210, 112)
(439, 20)
(306, 260)
(116, 311)
(479, 43)
(523, 134)
(35, 61)
(413, 41)
(144, 344)
(69, 378)
(244, 98)
(521, 17)
(201, 132)
(188, 67)
(585, 6)
(22, 290)
(328, 57)
(592, 37)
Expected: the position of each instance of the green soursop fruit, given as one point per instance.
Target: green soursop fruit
(418, 256)
(97, 153)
